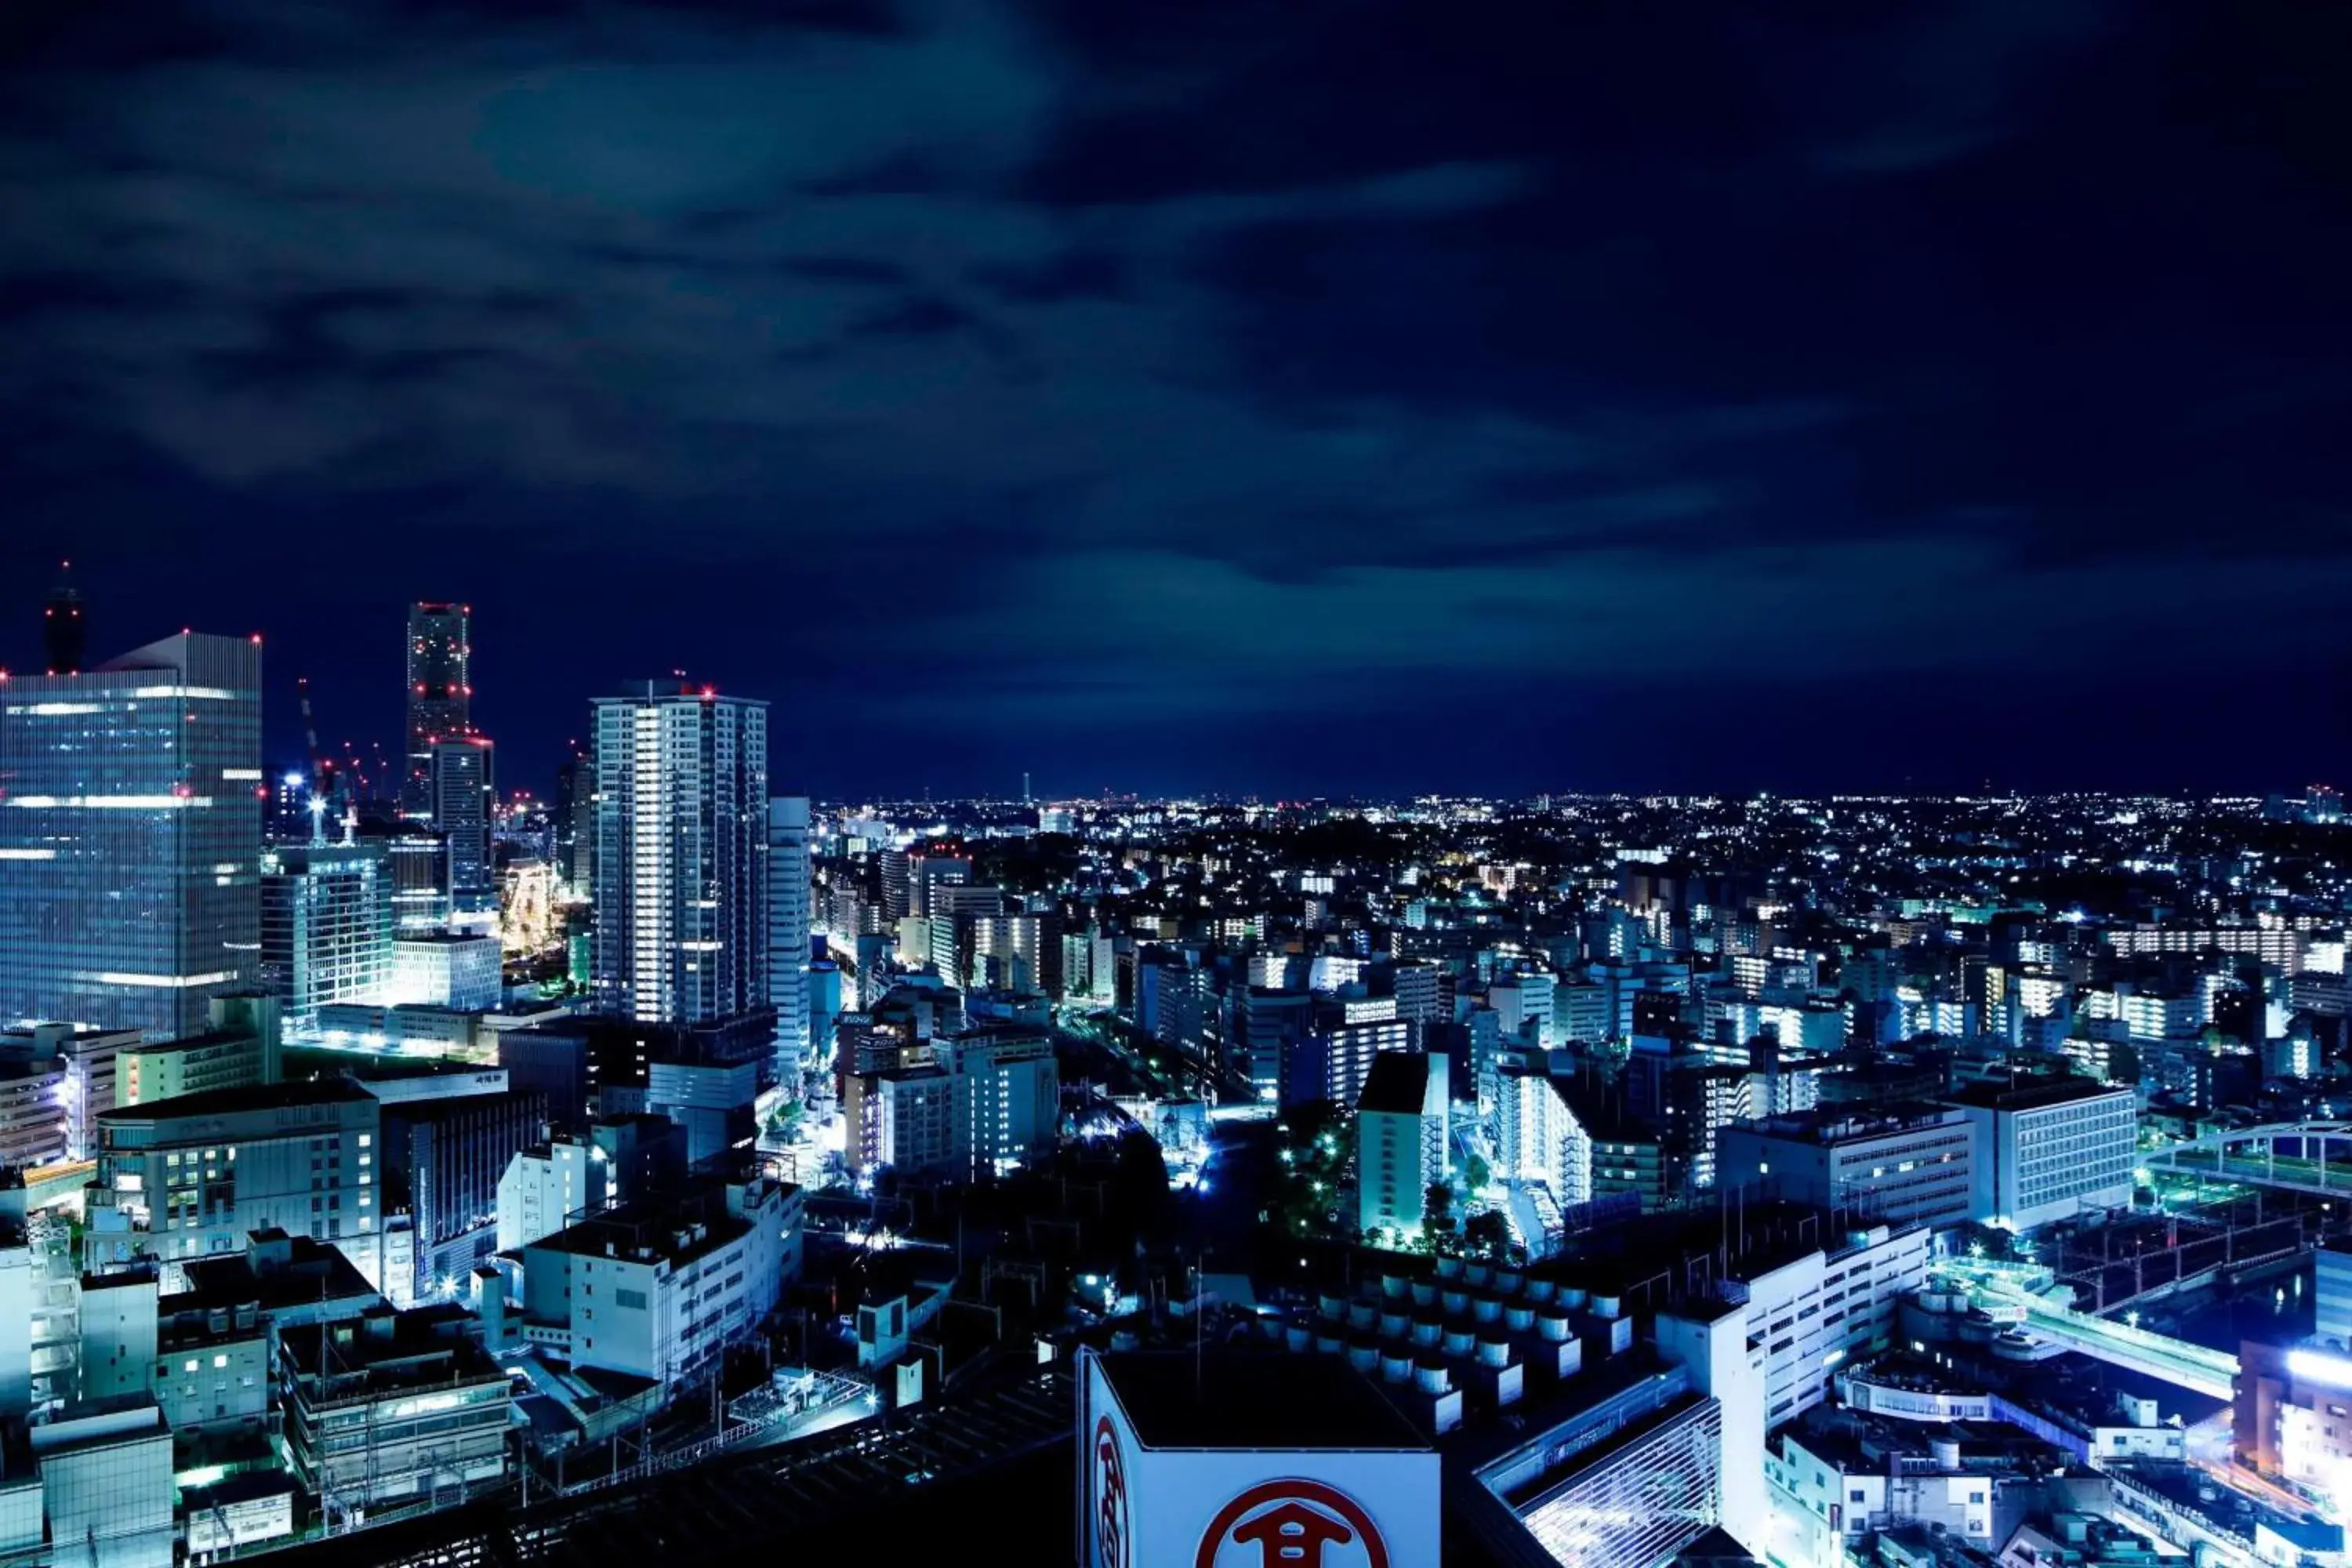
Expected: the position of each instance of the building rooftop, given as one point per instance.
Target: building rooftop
(1252, 1399)
(387, 1350)
(1397, 1085)
(230, 1036)
(1844, 1123)
(679, 1228)
(234, 1101)
(282, 1272)
(2031, 1095)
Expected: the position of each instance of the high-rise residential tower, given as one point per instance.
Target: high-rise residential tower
(440, 692)
(130, 807)
(681, 862)
(788, 933)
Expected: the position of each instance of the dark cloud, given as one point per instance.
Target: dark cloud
(1137, 378)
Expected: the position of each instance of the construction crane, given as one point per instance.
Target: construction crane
(310, 738)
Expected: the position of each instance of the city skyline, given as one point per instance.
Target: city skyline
(1114, 784)
(1617, 403)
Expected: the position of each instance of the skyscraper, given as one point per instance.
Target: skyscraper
(572, 816)
(681, 863)
(465, 785)
(440, 692)
(131, 805)
(788, 933)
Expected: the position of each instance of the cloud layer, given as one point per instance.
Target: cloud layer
(1118, 378)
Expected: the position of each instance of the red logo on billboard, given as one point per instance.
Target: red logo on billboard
(1113, 1541)
(1293, 1524)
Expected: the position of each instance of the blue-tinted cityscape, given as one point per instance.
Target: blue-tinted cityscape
(1100, 783)
(414, 1167)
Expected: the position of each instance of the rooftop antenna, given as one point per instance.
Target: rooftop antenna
(61, 624)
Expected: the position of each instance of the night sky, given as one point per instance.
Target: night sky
(1280, 396)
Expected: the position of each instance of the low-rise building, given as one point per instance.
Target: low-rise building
(1839, 1476)
(459, 971)
(240, 1050)
(190, 1177)
(105, 1482)
(82, 1060)
(2050, 1150)
(396, 1407)
(656, 1289)
(1903, 1164)
(546, 1186)
(291, 1281)
(214, 1368)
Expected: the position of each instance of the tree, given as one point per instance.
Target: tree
(1477, 1174)
(1488, 1236)
(1437, 1208)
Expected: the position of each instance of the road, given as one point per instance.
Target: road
(2331, 1178)
(2211, 1373)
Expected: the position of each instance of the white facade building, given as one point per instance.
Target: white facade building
(191, 1177)
(1538, 1138)
(656, 1291)
(444, 969)
(1826, 1308)
(986, 1097)
(2051, 1149)
(326, 924)
(545, 1187)
(1521, 999)
(1401, 1141)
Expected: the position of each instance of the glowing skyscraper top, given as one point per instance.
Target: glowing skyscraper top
(440, 694)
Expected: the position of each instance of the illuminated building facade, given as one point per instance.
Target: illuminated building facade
(326, 924)
(190, 1176)
(788, 932)
(681, 863)
(388, 1411)
(1537, 1136)
(1400, 1140)
(1631, 1478)
(419, 863)
(465, 785)
(2049, 1150)
(131, 805)
(2293, 1416)
(440, 694)
(1906, 1165)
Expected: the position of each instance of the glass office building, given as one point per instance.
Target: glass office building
(131, 808)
